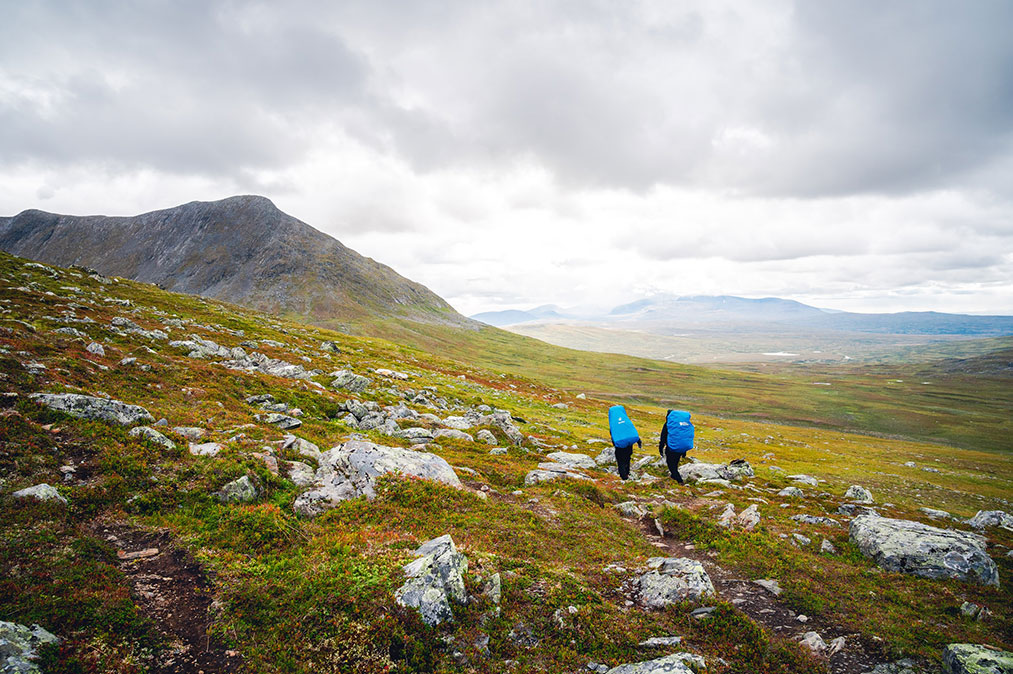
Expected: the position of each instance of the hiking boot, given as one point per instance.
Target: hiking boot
(678, 478)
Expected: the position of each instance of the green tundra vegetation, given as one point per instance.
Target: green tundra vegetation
(290, 593)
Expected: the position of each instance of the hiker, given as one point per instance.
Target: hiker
(624, 436)
(676, 440)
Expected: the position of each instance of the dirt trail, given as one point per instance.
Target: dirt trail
(857, 656)
(171, 589)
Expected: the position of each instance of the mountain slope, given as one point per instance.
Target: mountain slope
(242, 249)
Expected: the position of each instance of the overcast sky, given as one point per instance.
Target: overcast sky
(854, 155)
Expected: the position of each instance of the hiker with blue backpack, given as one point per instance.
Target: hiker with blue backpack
(676, 440)
(624, 436)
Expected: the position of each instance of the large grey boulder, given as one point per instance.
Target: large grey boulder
(702, 472)
(572, 460)
(453, 434)
(975, 659)
(991, 518)
(676, 663)
(858, 494)
(922, 550)
(18, 645)
(349, 381)
(350, 470)
(435, 579)
(671, 580)
(94, 409)
(41, 492)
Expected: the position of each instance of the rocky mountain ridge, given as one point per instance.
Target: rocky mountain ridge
(242, 249)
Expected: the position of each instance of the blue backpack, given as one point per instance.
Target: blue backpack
(679, 432)
(624, 433)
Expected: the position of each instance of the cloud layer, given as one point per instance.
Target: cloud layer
(509, 154)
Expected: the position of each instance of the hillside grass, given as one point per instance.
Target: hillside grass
(307, 595)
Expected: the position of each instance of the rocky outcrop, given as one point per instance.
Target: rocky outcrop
(922, 550)
(671, 580)
(975, 659)
(350, 470)
(991, 518)
(435, 580)
(18, 646)
(676, 663)
(94, 409)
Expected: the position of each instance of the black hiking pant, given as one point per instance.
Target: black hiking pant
(623, 457)
(673, 459)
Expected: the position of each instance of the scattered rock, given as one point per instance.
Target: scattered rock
(94, 409)
(282, 421)
(350, 470)
(486, 437)
(349, 381)
(975, 659)
(792, 492)
(498, 450)
(206, 448)
(18, 645)
(41, 492)
(96, 349)
(922, 550)
(151, 435)
(903, 666)
(435, 579)
(607, 456)
(547, 472)
(453, 434)
(238, 491)
(676, 663)
(749, 517)
(934, 514)
(858, 494)
(805, 479)
(711, 472)
(661, 642)
(770, 585)
(814, 642)
(630, 509)
(572, 460)
(816, 519)
(991, 518)
(192, 433)
(826, 547)
(522, 635)
(974, 611)
(672, 580)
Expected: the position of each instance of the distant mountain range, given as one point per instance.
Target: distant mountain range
(668, 314)
(242, 249)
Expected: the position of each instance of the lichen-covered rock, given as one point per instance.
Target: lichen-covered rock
(793, 492)
(349, 381)
(607, 456)
(572, 460)
(206, 448)
(991, 518)
(151, 435)
(922, 550)
(486, 436)
(708, 472)
(41, 492)
(676, 663)
(350, 470)
(238, 491)
(858, 494)
(94, 409)
(802, 478)
(631, 509)
(975, 659)
(749, 517)
(304, 447)
(282, 421)
(671, 580)
(18, 645)
(453, 434)
(435, 579)
(547, 472)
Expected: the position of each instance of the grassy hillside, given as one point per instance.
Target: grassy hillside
(926, 402)
(278, 592)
